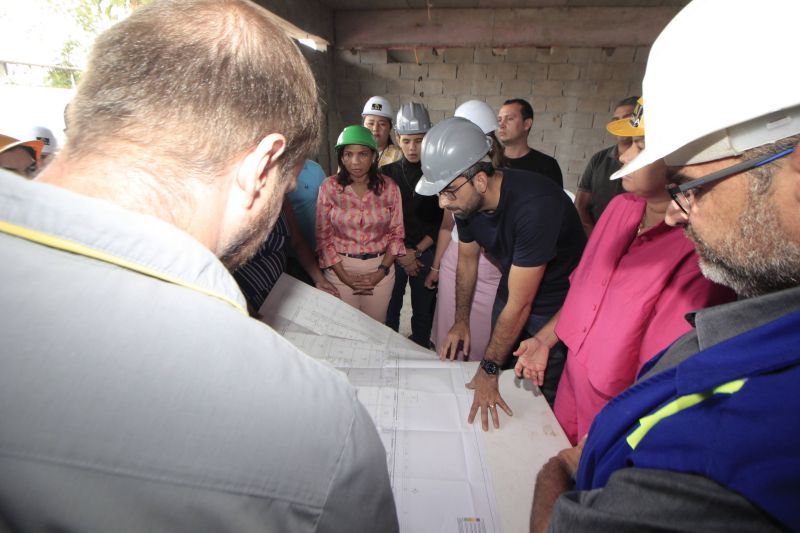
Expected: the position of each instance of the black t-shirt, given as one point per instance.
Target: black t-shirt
(535, 161)
(421, 214)
(535, 224)
(595, 180)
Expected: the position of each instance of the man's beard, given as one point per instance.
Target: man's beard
(474, 205)
(462, 215)
(249, 239)
(757, 259)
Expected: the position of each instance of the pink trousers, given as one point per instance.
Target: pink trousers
(375, 304)
(480, 318)
(577, 401)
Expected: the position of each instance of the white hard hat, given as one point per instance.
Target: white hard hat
(412, 119)
(719, 82)
(480, 113)
(450, 148)
(40, 133)
(380, 106)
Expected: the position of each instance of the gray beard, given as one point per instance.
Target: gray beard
(755, 258)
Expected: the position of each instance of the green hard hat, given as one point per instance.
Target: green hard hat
(356, 135)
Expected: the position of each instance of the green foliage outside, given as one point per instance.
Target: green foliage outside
(93, 17)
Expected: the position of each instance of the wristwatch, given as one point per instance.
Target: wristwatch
(490, 367)
(385, 269)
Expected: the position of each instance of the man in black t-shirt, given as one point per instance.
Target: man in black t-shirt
(514, 123)
(529, 225)
(595, 190)
(421, 220)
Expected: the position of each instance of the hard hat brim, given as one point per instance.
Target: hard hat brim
(624, 128)
(7, 143)
(639, 162)
(428, 188)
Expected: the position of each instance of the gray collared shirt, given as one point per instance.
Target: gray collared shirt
(136, 395)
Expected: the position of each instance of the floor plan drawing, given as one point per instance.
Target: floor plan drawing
(438, 464)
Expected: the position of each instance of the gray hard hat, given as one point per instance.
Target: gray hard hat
(450, 148)
(412, 119)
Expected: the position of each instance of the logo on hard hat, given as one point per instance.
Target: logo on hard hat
(636, 118)
(45, 140)
(377, 107)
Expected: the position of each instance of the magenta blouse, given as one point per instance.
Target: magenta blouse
(628, 296)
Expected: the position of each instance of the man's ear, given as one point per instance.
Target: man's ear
(260, 166)
(481, 182)
(528, 124)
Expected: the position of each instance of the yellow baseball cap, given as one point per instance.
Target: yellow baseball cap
(629, 127)
(7, 143)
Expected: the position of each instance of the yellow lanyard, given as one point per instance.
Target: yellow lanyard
(81, 249)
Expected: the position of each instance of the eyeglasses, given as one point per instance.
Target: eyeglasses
(684, 193)
(451, 195)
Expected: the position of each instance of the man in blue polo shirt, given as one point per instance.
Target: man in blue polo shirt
(707, 439)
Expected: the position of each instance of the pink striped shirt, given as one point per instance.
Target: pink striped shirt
(347, 223)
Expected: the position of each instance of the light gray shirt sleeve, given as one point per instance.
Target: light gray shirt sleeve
(638, 499)
(361, 482)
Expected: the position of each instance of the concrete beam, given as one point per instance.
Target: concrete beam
(501, 28)
(310, 17)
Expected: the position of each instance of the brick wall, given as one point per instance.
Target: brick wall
(572, 90)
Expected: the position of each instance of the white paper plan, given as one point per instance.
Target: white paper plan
(437, 462)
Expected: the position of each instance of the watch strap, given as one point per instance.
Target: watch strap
(490, 367)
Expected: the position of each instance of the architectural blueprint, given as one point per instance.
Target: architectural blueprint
(418, 403)
(438, 464)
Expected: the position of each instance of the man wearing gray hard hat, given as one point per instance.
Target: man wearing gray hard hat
(421, 220)
(708, 439)
(529, 226)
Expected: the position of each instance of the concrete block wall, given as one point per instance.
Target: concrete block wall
(572, 90)
(321, 66)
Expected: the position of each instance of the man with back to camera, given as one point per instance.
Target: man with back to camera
(705, 440)
(137, 395)
(514, 123)
(529, 225)
(595, 189)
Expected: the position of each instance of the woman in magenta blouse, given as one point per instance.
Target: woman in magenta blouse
(359, 225)
(628, 297)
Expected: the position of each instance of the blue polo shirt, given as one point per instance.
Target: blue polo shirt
(304, 199)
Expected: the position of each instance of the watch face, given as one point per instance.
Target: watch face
(490, 367)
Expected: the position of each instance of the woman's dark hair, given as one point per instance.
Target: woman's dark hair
(375, 182)
(497, 153)
(391, 127)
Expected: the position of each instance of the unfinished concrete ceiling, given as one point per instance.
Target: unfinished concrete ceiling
(465, 4)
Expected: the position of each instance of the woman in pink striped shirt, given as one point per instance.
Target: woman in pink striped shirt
(359, 225)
